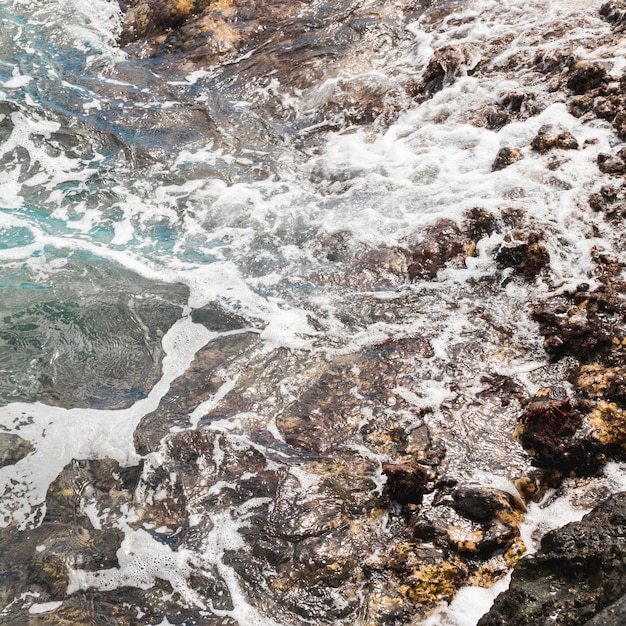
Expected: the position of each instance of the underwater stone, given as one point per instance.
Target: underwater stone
(13, 448)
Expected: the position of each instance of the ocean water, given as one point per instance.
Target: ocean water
(133, 197)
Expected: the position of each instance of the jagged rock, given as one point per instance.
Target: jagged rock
(443, 243)
(512, 106)
(611, 164)
(614, 12)
(583, 324)
(611, 201)
(586, 76)
(522, 251)
(445, 64)
(549, 137)
(505, 157)
(408, 482)
(498, 517)
(579, 571)
(550, 432)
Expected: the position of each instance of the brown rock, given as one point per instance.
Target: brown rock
(549, 137)
(522, 251)
(505, 157)
(407, 482)
(444, 242)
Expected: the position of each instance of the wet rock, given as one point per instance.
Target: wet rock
(78, 532)
(613, 615)
(611, 164)
(13, 448)
(579, 571)
(497, 516)
(619, 122)
(522, 251)
(583, 324)
(614, 12)
(549, 137)
(550, 431)
(611, 201)
(408, 482)
(505, 157)
(326, 411)
(443, 243)
(445, 64)
(512, 106)
(586, 76)
(479, 223)
(200, 382)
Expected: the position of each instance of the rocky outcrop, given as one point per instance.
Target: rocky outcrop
(579, 572)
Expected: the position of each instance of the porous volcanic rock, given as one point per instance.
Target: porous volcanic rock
(579, 572)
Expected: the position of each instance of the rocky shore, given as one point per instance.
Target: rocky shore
(282, 448)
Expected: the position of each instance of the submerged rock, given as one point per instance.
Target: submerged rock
(13, 448)
(443, 243)
(579, 571)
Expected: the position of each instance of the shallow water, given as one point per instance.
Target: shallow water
(146, 210)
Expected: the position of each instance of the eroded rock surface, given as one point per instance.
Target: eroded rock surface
(579, 571)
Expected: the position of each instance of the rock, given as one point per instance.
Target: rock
(619, 122)
(199, 383)
(549, 431)
(586, 76)
(443, 243)
(407, 482)
(13, 448)
(613, 615)
(522, 251)
(498, 517)
(579, 571)
(445, 64)
(583, 324)
(512, 106)
(549, 137)
(505, 157)
(610, 164)
(611, 201)
(614, 12)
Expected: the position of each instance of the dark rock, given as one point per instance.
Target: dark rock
(613, 615)
(610, 164)
(218, 319)
(199, 383)
(583, 324)
(522, 251)
(445, 64)
(407, 482)
(585, 77)
(579, 571)
(478, 223)
(549, 431)
(614, 12)
(549, 137)
(13, 448)
(619, 123)
(505, 157)
(443, 243)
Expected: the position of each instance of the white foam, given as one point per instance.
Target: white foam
(60, 435)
